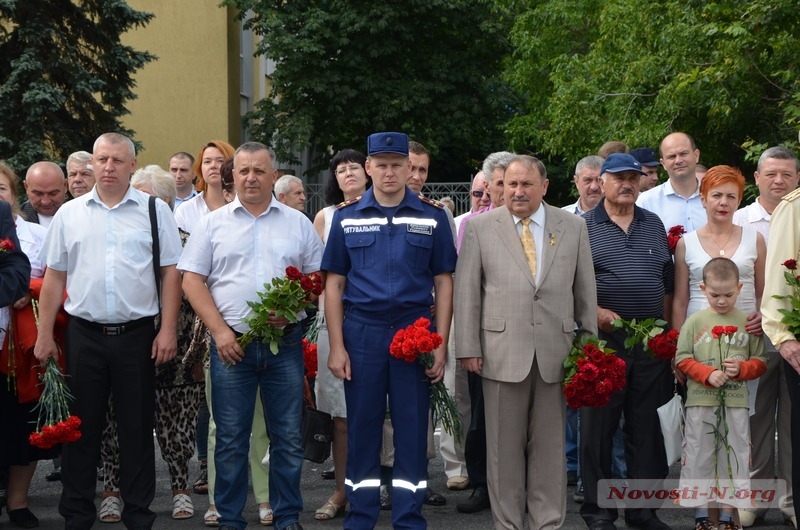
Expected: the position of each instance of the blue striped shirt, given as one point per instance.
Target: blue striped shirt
(634, 270)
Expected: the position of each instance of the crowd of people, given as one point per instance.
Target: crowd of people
(143, 303)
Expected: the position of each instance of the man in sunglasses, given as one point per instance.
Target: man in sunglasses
(478, 197)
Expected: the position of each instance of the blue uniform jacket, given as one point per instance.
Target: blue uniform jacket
(389, 255)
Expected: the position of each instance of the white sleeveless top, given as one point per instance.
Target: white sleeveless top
(328, 212)
(744, 258)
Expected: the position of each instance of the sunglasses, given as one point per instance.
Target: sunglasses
(477, 193)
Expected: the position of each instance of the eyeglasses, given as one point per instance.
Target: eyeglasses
(343, 170)
(477, 193)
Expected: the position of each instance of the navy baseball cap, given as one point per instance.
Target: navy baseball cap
(387, 142)
(646, 156)
(619, 162)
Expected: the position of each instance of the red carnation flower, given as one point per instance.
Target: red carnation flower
(730, 330)
(717, 331)
(790, 264)
(6, 245)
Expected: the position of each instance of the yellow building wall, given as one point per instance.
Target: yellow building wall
(190, 94)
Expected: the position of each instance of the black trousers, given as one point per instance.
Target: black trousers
(475, 442)
(97, 365)
(649, 384)
(793, 384)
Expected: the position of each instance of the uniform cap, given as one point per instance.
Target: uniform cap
(387, 142)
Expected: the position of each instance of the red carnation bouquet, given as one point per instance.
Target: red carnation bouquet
(673, 236)
(310, 358)
(284, 297)
(791, 317)
(417, 342)
(724, 335)
(55, 424)
(593, 373)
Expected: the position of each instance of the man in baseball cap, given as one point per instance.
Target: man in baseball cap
(650, 164)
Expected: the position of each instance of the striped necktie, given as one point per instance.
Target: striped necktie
(529, 245)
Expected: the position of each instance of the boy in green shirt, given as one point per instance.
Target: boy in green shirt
(718, 356)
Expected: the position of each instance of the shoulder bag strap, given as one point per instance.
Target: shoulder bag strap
(156, 248)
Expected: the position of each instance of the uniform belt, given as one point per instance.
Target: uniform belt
(115, 329)
(387, 319)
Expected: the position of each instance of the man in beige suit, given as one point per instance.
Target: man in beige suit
(524, 278)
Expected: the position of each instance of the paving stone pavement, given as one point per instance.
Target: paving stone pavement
(44, 499)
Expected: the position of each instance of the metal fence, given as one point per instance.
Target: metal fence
(458, 191)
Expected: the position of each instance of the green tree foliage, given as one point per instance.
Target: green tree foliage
(347, 68)
(726, 72)
(64, 75)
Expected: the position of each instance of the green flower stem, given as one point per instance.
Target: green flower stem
(444, 405)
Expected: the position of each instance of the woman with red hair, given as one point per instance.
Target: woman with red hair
(207, 167)
(721, 192)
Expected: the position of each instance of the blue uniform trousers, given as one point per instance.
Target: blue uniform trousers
(374, 375)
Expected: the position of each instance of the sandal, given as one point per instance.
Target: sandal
(265, 515)
(329, 510)
(182, 507)
(201, 484)
(110, 510)
(211, 517)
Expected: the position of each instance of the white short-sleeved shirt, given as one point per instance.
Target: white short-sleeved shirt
(190, 212)
(755, 216)
(239, 253)
(107, 254)
(31, 236)
(673, 209)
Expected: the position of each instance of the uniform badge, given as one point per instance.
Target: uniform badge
(420, 229)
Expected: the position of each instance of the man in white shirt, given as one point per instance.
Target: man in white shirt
(180, 167)
(229, 257)
(100, 251)
(587, 182)
(777, 175)
(677, 201)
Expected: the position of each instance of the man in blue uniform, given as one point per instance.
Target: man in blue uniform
(386, 253)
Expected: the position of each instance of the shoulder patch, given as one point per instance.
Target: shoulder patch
(432, 202)
(348, 202)
(794, 195)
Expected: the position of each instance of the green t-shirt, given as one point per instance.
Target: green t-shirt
(696, 341)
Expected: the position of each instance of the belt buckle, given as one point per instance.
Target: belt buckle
(113, 330)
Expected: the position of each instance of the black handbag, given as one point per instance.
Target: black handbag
(317, 435)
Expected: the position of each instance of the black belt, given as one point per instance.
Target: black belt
(116, 329)
(288, 328)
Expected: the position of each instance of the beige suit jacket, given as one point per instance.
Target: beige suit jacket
(505, 317)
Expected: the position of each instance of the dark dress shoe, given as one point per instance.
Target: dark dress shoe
(328, 475)
(23, 518)
(477, 502)
(293, 526)
(434, 499)
(54, 475)
(602, 525)
(650, 522)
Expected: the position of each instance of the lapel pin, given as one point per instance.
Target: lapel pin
(552, 238)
